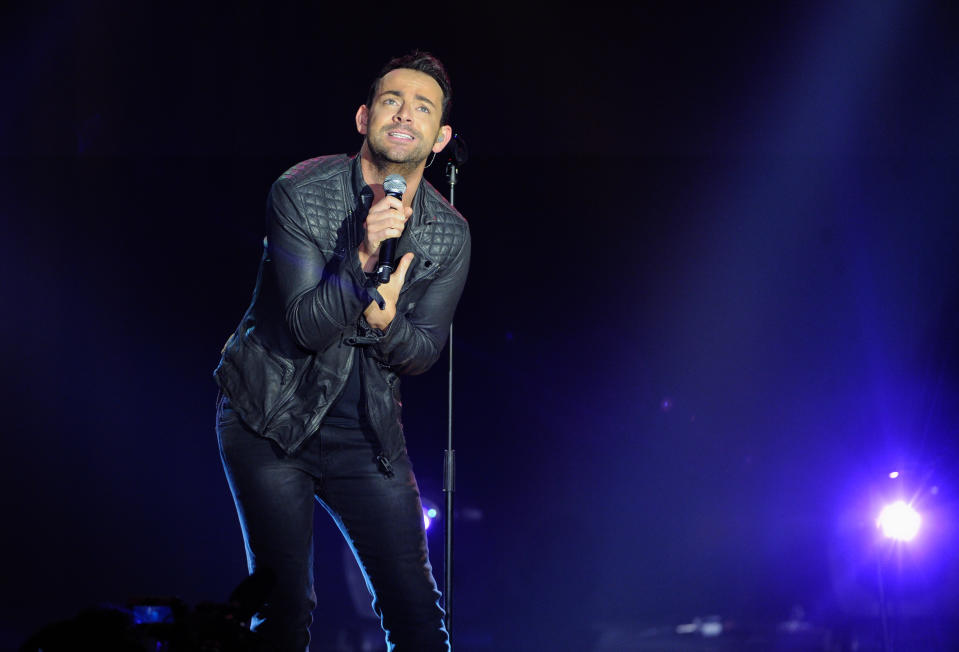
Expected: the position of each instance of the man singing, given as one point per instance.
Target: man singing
(309, 382)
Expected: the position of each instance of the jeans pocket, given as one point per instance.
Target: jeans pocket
(225, 414)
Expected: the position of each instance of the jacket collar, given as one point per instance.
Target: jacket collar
(361, 191)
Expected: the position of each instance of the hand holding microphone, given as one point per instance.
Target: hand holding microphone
(394, 185)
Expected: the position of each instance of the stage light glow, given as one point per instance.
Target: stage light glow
(899, 521)
(894, 475)
(431, 512)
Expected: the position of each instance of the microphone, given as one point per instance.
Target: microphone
(395, 186)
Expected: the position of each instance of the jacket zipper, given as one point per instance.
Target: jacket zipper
(286, 396)
(382, 458)
(315, 421)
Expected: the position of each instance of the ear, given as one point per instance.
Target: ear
(442, 138)
(362, 119)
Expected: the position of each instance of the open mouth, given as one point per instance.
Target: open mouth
(401, 135)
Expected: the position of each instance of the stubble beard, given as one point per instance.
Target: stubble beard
(387, 164)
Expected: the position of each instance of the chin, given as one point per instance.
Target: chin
(388, 160)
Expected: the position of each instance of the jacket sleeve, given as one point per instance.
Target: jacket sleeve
(413, 340)
(321, 294)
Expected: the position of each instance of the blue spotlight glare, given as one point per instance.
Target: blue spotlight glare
(899, 521)
(430, 512)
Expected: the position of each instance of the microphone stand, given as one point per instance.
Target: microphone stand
(458, 157)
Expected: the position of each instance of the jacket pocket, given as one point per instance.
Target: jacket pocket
(256, 380)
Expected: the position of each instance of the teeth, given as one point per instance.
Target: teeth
(399, 135)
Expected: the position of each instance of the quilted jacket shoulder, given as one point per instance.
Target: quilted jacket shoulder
(323, 188)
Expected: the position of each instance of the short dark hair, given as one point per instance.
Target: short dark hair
(423, 62)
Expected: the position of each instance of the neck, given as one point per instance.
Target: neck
(375, 171)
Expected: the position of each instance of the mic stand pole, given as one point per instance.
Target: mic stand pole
(449, 457)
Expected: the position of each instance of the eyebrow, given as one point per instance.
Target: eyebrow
(422, 98)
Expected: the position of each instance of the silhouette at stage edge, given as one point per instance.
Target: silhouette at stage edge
(167, 624)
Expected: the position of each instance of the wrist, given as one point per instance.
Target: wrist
(378, 318)
(367, 261)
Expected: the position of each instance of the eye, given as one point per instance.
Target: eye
(424, 109)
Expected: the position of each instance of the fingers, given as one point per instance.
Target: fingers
(398, 277)
(392, 289)
(386, 219)
(404, 265)
(390, 207)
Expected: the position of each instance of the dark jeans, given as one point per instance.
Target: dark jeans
(381, 517)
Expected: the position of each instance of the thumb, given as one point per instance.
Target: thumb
(404, 265)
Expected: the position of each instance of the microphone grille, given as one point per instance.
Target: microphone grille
(394, 183)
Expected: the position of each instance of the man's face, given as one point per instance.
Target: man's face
(402, 125)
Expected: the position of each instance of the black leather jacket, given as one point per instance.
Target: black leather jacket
(290, 356)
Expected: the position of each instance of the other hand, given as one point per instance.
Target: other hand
(381, 318)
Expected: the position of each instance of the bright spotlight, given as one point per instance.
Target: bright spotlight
(899, 521)
(430, 513)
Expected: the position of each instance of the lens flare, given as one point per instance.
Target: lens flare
(899, 521)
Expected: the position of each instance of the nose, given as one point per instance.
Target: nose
(402, 113)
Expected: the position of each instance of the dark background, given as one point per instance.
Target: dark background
(713, 303)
